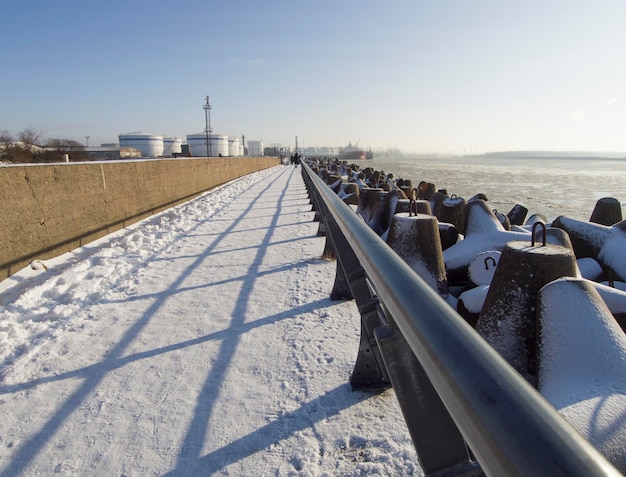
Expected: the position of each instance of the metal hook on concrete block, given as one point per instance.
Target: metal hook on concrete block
(412, 207)
(543, 229)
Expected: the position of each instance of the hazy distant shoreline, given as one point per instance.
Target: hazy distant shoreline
(588, 155)
(554, 154)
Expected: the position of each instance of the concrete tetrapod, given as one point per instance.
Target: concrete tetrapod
(508, 317)
(371, 204)
(608, 211)
(603, 243)
(582, 364)
(483, 232)
(416, 240)
(452, 210)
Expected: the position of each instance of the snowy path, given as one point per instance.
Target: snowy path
(200, 341)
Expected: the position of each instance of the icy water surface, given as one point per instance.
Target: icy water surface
(550, 186)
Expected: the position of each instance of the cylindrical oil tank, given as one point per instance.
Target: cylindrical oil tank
(172, 146)
(150, 145)
(198, 145)
(255, 148)
(234, 146)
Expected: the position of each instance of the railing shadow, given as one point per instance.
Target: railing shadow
(280, 429)
(106, 366)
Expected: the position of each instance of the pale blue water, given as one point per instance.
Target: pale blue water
(567, 186)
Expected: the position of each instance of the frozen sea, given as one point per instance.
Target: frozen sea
(551, 186)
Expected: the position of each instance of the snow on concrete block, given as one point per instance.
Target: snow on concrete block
(479, 218)
(589, 268)
(615, 299)
(587, 238)
(470, 303)
(612, 252)
(483, 267)
(463, 252)
(582, 364)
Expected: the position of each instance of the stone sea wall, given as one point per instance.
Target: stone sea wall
(50, 209)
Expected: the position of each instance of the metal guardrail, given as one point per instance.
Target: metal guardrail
(467, 410)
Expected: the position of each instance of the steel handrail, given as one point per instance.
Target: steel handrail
(511, 429)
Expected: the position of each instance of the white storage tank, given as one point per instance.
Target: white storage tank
(198, 145)
(172, 146)
(255, 148)
(234, 147)
(150, 145)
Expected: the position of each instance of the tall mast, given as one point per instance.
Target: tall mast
(207, 127)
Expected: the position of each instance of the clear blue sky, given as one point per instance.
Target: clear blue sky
(424, 76)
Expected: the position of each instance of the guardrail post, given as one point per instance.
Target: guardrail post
(439, 444)
(369, 373)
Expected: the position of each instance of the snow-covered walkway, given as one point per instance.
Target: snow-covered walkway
(201, 341)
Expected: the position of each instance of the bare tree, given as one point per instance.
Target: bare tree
(30, 137)
(56, 149)
(27, 148)
(20, 151)
(5, 137)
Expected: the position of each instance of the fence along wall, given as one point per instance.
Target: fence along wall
(50, 209)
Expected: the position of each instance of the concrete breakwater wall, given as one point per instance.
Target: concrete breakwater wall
(51, 209)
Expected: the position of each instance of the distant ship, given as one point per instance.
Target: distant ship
(355, 152)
